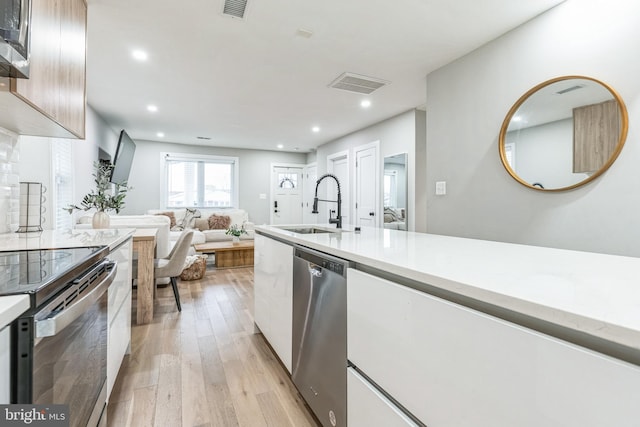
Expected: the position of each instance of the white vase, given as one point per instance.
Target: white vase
(236, 239)
(100, 220)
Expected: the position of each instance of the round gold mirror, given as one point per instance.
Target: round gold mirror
(563, 133)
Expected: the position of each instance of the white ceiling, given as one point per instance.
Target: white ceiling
(254, 83)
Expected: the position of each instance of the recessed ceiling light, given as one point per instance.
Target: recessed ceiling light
(160, 134)
(139, 55)
(152, 108)
(315, 129)
(280, 146)
(517, 119)
(301, 32)
(365, 103)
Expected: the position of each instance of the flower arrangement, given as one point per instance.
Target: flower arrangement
(101, 198)
(236, 231)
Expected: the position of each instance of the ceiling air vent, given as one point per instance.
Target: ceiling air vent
(235, 8)
(357, 83)
(569, 89)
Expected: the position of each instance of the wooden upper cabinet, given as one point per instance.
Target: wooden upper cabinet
(596, 133)
(56, 84)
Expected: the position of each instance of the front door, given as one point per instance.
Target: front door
(286, 203)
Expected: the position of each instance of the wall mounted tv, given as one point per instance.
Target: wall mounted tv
(123, 158)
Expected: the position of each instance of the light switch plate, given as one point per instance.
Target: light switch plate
(441, 188)
(262, 196)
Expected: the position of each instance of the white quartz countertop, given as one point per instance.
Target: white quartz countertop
(55, 239)
(11, 307)
(587, 292)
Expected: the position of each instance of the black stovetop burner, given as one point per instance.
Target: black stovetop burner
(43, 273)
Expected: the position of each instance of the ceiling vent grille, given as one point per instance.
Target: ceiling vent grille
(357, 83)
(235, 8)
(569, 89)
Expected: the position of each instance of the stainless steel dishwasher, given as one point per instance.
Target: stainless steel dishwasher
(320, 333)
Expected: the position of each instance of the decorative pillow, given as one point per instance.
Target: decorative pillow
(187, 220)
(171, 216)
(201, 224)
(219, 222)
(390, 215)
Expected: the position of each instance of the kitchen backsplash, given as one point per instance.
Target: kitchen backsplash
(9, 181)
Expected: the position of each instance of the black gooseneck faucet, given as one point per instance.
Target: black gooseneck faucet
(338, 219)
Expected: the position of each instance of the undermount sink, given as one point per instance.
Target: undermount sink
(308, 230)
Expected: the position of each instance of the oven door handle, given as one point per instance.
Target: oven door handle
(51, 326)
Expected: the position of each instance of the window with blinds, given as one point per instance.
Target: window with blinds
(62, 157)
(202, 181)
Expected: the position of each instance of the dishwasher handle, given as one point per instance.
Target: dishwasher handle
(315, 270)
(323, 261)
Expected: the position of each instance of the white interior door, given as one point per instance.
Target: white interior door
(337, 164)
(286, 203)
(310, 176)
(367, 210)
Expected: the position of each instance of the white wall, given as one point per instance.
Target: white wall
(254, 175)
(396, 135)
(35, 160)
(468, 99)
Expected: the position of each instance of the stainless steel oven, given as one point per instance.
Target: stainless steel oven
(59, 346)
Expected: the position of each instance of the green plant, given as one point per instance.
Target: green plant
(236, 231)
(101, 198)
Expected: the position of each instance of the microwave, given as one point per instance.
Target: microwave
(15, 20)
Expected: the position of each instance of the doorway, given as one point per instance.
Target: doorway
(338, 164)
(310, 176)
(367, 176)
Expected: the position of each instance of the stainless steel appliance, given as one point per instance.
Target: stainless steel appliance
(320, 334)
(15, 22)
(59, 346)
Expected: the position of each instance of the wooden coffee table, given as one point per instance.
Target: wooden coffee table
(229, 254)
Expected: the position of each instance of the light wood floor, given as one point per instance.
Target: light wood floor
(205, 366)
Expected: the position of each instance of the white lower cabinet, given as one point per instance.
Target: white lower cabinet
(453, 366)
(5, 363)
(273, 294)
(119, 313)
(368, 407)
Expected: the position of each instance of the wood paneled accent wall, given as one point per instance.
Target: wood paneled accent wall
(596, 132)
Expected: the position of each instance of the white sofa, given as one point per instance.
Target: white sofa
(162, 223)
(238, 217)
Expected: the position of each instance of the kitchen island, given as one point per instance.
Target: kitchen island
(536, 336)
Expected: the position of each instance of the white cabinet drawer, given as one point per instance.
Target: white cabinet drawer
(121, 286)
(368, 407)
(5, 362)
(119, 339)
(119, 311)
(453, 366)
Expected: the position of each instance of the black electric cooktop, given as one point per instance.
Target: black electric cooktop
(43, 273)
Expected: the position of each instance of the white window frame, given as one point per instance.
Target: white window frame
(235, 186)
(62, 161)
